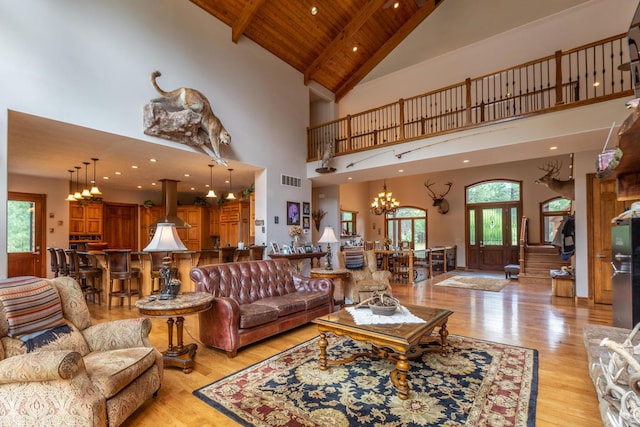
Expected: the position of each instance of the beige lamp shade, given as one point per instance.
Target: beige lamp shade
(165, 239)
(328, 236)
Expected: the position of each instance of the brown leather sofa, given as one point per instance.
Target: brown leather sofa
(255, 300)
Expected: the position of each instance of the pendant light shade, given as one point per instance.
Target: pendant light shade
(95, 191)
(230, 196)
(77, 194)
(85, 190)
(70, 197)
(211, 193)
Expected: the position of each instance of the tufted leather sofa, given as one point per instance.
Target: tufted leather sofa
(255, 300)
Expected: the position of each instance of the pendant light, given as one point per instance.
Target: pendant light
(85, 190)
(70, 197)
(77, 194)
(230, 195)
(211, 193)
(94, 187)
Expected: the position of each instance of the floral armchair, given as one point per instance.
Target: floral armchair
(58, 369)
(365, 278)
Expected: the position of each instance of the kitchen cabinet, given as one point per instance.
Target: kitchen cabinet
(147, 217)
(234, 223)
(196, 237)
(85, 221)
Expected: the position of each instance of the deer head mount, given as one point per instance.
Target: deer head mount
(565, 188)
(439, 201)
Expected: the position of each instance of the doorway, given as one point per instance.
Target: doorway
(493, 212)
(25, 234)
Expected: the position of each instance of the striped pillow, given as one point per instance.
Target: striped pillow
(30, 304)
(354, 260)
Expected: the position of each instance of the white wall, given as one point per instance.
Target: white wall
(88, 63)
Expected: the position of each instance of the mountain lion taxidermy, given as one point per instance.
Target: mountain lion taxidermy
(185, 98)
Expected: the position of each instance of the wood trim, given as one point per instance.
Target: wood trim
(590, 255)
(248, 13)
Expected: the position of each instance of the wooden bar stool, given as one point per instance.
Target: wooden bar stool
(119, 262)
(63, 265)
(54, 262)
(89, 277)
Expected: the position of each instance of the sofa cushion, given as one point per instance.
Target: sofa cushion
(254, 314)
(312, 299)
(285, 304)
(111, 371)
(354, 260)
(30, 304)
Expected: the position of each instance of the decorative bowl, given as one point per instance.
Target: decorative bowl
(383, 310)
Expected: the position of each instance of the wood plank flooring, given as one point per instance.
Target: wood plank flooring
(522, 315)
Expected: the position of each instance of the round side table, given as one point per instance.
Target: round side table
(341, 274)
(183, 304)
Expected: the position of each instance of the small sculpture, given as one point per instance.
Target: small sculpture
(327, 155)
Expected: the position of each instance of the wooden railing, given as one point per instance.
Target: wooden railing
(524, 237)
(581, 76)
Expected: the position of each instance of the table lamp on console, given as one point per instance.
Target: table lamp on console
(166, 239)
(328, 237)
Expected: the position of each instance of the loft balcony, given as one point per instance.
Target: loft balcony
(589, 74)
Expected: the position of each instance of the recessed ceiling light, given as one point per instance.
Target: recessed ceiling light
(355, 48)
(465, 161)
(153, 183)
(396, 5)
(349, 178)
(118, 173)
(192, 188)
(134, 167)
(314, 10)
(139, 186)
(105, 177)
(553, 148)
(400, 170)
(596, 84)
(153, 160)
(187, 175)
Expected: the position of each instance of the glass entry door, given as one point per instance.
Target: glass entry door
(492, 236)
(25, 236)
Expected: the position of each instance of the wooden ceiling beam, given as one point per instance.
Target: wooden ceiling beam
(249, 11)
(386, 48)
(347, 32)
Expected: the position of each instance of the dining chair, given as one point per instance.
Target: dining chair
(54, 262)
(89, 277)
(120, 269)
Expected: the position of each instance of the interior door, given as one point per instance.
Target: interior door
(25, 234)
(121, 225)
(492, 235)
(604, 206)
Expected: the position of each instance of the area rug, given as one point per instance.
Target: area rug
(477, 383)
(479, 283)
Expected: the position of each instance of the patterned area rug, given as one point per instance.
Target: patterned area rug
(475, 282)
(478, 383)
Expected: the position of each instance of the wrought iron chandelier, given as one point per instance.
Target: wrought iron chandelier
(384, 202)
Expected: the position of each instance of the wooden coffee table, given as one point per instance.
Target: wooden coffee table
(397, 342)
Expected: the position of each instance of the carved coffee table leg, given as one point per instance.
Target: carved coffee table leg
(399, 377)
(443, 338)
(323, 343)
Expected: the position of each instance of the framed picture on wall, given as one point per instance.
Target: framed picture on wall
(293, 213)
(306, 208)
(306, 223)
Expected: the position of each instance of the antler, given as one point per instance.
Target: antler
(551, 169)
(449, 184)
(428, 187)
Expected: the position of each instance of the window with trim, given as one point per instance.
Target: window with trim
(552, 212)
(348, 223)
(407, 224)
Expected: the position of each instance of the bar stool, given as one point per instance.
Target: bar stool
(54, 261)
(63, 266)
(119, 262)
(90, 278)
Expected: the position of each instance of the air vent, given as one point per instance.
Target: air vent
(290, 181)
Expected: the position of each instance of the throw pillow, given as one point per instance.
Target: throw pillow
(30, 304)
(354, 260)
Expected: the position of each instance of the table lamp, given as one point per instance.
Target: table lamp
(328, 237)
(166, 239)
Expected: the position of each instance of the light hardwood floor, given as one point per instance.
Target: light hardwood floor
(526, 316)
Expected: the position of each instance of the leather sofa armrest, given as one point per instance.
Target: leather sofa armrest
(41, 366)
(312, 284)
(118, 334)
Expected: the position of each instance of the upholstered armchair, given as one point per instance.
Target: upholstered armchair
(365, 278)
(58, 369)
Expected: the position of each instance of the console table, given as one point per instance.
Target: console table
(297, 260)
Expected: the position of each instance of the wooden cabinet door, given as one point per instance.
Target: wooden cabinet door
(121, 225)
(76, 218)
(93, 218)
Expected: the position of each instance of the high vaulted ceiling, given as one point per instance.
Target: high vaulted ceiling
(337, 46)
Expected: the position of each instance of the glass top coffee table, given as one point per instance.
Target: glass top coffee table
(397, 342)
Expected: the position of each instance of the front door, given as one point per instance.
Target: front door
(492, 240)
(25, 234)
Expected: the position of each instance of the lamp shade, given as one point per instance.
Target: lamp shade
(328, 236)
(165, 239)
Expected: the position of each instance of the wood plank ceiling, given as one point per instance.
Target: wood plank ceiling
(321, 45)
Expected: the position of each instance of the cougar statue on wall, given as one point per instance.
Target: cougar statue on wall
(180, 111)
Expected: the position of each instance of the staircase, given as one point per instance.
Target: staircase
(538, 260)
